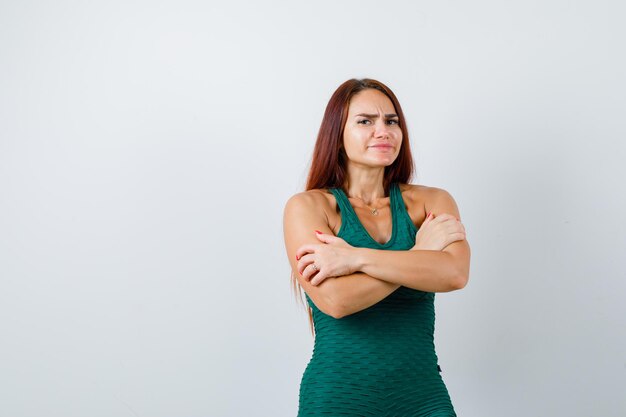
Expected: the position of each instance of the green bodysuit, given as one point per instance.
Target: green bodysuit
(380, 361)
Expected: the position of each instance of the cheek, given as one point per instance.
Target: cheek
(357, 135)
(348, 146)
(352, 140)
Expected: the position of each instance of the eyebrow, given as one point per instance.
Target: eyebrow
(373, 116)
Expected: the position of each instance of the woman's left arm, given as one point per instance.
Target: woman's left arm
(424, 270)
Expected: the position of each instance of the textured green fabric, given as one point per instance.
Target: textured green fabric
(380, 361)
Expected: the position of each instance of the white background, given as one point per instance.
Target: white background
(147, 150)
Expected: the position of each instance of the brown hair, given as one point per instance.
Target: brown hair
(329, 160)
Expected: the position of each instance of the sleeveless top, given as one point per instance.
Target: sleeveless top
(381, 358)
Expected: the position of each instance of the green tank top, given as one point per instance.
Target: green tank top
(380, 361)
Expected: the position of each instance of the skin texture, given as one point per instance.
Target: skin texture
(438, 262)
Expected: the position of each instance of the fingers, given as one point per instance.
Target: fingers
(442, 217)
(331, 239)
(450, 224)
(318, 278)
(308, 271)
(313, 275)
(454, 228)
(439, 218)
(303, 250)
(304, 261)
(455, 237)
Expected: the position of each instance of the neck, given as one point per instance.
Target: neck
(365, 184)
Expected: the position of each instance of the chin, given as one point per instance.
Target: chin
(381, 163)
(387, 160)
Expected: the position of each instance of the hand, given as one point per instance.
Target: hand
(437, 233)
(334, 257)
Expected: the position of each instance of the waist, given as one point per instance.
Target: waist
(371, 361)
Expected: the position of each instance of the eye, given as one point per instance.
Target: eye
(393, 121)
(364, 122)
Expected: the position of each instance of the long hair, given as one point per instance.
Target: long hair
(329, 160)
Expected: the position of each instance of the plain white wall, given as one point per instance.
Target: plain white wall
(147, 150)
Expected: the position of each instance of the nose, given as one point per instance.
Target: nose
(382, 130)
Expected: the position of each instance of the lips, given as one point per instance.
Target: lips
(381, 146)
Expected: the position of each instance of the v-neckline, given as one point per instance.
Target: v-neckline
(360, 224)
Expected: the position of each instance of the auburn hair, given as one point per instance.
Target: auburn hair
(329, 160)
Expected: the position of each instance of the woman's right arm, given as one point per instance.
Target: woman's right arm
(340, 296)
(358, 291)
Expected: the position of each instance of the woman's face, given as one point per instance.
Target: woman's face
(372, 134)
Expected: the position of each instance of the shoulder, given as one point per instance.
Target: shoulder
(318, 202)
(309, 198)
(433, 199)
(423, 192)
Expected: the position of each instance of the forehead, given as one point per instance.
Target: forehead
(370, 101)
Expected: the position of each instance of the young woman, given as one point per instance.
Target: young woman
(370, 252)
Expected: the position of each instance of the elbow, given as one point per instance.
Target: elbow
(328, 301)
(459, 275)
(459, 282)
(335, 309)
(337, 314)
(331, 310)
